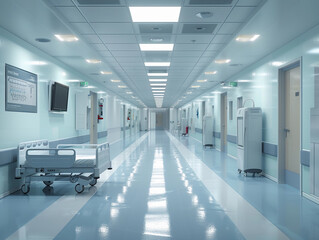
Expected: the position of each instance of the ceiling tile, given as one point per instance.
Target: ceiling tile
(222, 38)
(61, 2)
(106, 14)
(187, 53)
(99, 47)
(190, 47)
(123, 47)
(193, 38)
(188, 14)
(209, 2)
(91, 38)
(251, 3)
(215, 47)
(229, 28)
(209, 53)
(113, 28)
(118, 38)
(129, 59)
(155, 28)
(240, 14)
(198, 28)
(83, 28)
(72, 14)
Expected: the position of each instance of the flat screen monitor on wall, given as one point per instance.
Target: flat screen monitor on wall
(59, 97)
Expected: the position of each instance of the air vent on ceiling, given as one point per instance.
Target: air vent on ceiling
(99, 2)
(156, 28)
(210, 2)
(198, 28)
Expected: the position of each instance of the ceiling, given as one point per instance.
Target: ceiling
(106, 32)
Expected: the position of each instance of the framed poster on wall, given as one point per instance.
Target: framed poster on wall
(21, 90)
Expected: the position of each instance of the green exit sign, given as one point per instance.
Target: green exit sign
(233, 84)
(84, 84)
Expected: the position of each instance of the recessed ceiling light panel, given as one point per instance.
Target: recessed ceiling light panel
(66, 38)
(94, 61)
(202, 80)
(247, 38)
(158, 80)
(222, 61)
(157, 74)
(158, 84)
(106, 73)
(155, 14)
(156, 47)
(211, 73)
(157, 64)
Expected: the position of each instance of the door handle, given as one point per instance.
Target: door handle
(286, 131)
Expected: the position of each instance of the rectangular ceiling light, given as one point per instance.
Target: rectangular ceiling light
(106, 73)
(211, 73)
(158, 84)
(203, 80)
(115, 80)
(222, 61)
(66, 38)
(122, 86)
(158, 88)
(247, 38)
(158, 91)
(157, 74)
(93, 61)
(129, 92)
(195, 86)
(158, 80)
(157, 64)
(155, 14)
(156, 47)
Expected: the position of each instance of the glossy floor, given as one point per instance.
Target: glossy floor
(162, 187)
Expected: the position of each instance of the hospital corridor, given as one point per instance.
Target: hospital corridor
(159, 119)
(163, 187)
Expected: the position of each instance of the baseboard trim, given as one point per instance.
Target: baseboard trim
(270, 177)
(310, 197)
(229, 155)
(8, 193)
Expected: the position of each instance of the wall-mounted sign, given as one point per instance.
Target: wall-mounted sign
(84, 84)
(233, 84)
(21, 90)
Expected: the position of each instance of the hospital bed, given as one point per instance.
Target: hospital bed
(81, 164)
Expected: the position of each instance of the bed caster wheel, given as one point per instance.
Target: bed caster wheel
(79, 188)
(93, 182)
(245, 174)
(25, 188)
(48, 183)
(239, 171)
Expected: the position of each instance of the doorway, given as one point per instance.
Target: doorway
(289, 124)
(159, 121)
(223, 122)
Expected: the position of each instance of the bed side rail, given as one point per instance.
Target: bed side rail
(50, 158)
